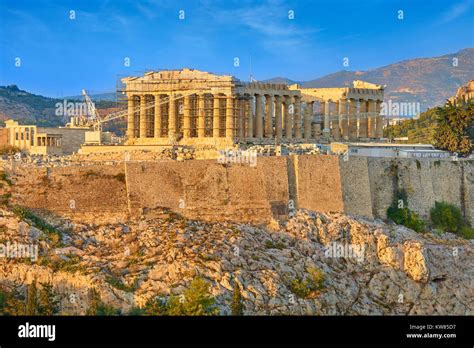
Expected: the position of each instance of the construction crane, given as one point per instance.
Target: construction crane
(97, 121)
(93, 115)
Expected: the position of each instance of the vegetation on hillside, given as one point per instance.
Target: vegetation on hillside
(421, 130)
(448, 218)
(196, 300)
(448, 127)
(29, 108)
(30, 301)
(455, 131)
(399, 213)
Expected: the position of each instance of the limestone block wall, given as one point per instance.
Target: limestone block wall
(87, 192)
(205, 189)
(209, 190)
(425, 181)
(318, 183)
(356, 186)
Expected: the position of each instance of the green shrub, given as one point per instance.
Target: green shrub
(4, 177)
(269, 244)
(155, 306)
(467, 232)
(447, 217)
(237, 307)
(47, 300)
(406, 217)
(53, 233)
(196, 300)
(117, 283)
(98, 307)
(308, 286)
(401, 215)
(12, 302)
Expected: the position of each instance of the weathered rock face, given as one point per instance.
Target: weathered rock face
(369, 267)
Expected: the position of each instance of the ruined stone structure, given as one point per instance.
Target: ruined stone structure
(464, 94)
(346, 113)
(43, 140)
(197, 108)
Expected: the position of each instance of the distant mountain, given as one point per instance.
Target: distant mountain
(35, 109)
(111, 96)
(27, 107)
(429, 81)
(281, 80)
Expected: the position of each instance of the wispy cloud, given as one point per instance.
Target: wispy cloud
(271, 24)
(456, 11)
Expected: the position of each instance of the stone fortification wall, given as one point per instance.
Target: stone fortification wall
(206, 189)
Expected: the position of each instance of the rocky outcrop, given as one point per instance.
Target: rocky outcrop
(369, 267)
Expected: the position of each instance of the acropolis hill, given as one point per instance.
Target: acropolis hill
(141, 219)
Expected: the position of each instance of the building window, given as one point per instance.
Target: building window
(16, 135)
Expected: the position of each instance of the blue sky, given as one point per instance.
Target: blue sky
(60, 56)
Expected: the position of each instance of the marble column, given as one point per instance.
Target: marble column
(353, 119)
(172, 115)
(216, 116)
(131, 117)
(326, 129)
(241, 123)
(157, 130)
(269, 106)
(363, 133)
(187, 117)
(201, 116)
(335, 132)
(250, 121)
(378, 120)
(287, 117)
(278, 120)
(229, 116)
(258, 116)
(297, 119)
(308, 116)
(371, 119)
(142, 116)
(343, 121)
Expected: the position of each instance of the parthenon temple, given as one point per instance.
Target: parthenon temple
(193, 107)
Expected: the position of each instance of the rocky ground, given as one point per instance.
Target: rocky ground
(367, 267)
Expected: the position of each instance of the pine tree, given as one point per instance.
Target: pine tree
(13, 302)
(48, 304)
(237, 307)
(32, 299)
(97, 307)
(196, 300)
(455, 125)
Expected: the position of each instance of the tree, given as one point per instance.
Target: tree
(237, 307)
(97, 307)
(155, 306)
(454, 130)
(194, 301)
(399, 213)
(47, 301)
(12, 302)
(32, 299)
